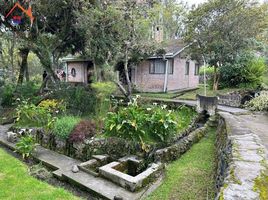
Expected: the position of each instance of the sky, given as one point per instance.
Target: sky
(191, 2)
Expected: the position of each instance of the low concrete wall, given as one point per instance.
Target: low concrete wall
(241, 160)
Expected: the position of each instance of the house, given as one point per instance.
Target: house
(78, 70)
(173, 71)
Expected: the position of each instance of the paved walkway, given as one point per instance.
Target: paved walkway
(249, 155)
(258, 124)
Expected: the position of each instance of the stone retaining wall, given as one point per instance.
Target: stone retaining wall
(241, 160)
(232, 99)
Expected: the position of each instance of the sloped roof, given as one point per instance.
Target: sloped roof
(172, 48)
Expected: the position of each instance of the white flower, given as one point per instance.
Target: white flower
(155, 104)
(149, 109)
(164, 106)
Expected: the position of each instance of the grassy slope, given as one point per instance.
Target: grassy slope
(191, 176)
(192, 94)
(16, 184)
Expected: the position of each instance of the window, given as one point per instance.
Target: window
(73, 72)
(187, 68)
(196, 69)
(158, 66)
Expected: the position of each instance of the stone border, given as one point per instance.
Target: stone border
(174, 151)
(241, 160)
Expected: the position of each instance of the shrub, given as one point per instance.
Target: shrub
(103, 92)
(246, 70)
(26, 91)
(26, 146)
(141, 124)
(53, 106)
(63, 126)
(7, 95)
(79, 100)
(29, 115)
(84, 129)
(161, 123)
(259, 103)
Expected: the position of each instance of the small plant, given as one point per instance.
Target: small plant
(53, 106)
(29, 115)
(128, 123)
(162, 123)
(83, 130)
(63, 126)
(26, 146)
(259, 103)
(142, 124)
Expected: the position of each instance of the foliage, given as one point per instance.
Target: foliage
(194, 172)
(26, 146)
(15, 174)
(218, 30)
(63, 126)
(244, 71)
(29, 115)
(26, 91)
(83, 130)
(173, 14)
(103, 92)
(116, 32)
(79, 100)
(53, 106)
(209, 70)
(128, 123)
(141, 124)
(259, 103)
(7, 95)
(161, 123)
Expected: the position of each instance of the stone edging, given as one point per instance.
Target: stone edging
(241, 160)
(174, 151)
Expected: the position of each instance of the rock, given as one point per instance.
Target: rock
(11, 137)
(118, 198)
(75, 169)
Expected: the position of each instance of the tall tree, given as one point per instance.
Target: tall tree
(221, 29)
(117, 32)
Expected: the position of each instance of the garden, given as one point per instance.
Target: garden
(90, 125)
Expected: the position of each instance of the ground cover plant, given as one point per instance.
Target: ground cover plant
(147, 123)
(63, 126)
(30, 115)
(259, 103)
(191, 176)
(17, 184)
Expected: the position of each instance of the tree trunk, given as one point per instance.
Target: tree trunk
(129, 86)
(24, 64)
(47, 63)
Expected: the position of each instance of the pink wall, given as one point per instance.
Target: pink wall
(146, 82)
(81, 72)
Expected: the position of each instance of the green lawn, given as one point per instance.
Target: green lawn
(192, 176)
(16, 184)
(159, 95)
(192, 94)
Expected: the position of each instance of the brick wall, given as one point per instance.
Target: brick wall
(146, 82)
